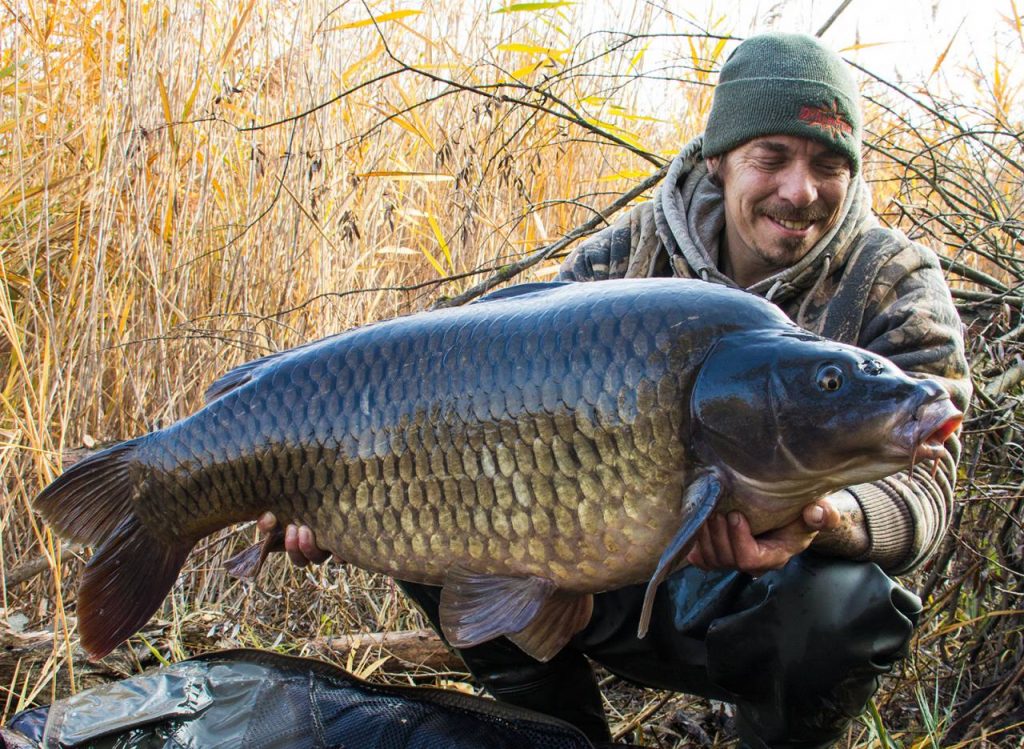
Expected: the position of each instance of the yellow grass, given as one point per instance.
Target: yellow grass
(185, 186)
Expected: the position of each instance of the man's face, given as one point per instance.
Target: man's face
(782, 194)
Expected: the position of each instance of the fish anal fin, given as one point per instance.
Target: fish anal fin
(477, 607)
(560, 617)
(123, 584)
(700, 499)
(248, 563)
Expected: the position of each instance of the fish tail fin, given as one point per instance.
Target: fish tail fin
(124, 583)
(93, 497)
(132, 571)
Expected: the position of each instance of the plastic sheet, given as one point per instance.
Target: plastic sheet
(252, 698)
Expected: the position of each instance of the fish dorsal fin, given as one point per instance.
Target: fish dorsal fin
(238, 376)
(699, 501)
(244, 373)
(560, 617)
(522, 289)
(477, 607)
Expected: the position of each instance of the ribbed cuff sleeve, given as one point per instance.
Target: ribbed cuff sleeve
(890, 527)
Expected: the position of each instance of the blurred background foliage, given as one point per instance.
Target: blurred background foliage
(184, 186)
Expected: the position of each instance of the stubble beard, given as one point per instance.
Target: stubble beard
(786, 252)
(790, 250)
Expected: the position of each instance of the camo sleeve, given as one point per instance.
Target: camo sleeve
(629, 248)
(910, 318)
(605, 255)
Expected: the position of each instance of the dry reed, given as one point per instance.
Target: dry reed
(187, 186)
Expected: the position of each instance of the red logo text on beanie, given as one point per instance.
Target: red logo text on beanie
(829, 119)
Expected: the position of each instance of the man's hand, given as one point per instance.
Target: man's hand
(299, 541)
(725, 542)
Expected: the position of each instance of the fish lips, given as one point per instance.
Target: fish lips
(922, 437)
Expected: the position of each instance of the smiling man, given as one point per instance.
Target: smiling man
(784, 193)
(793, 626)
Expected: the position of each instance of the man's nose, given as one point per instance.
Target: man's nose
(797, 185)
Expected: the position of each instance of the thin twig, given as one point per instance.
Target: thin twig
(832, 18)
(514, 269)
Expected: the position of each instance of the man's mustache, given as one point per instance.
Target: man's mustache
(784, 212)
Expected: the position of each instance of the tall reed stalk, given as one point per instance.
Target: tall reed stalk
(185, 186)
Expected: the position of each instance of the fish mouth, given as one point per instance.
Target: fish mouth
(923, 436)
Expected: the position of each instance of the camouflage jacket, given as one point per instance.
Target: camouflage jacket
(861, 284)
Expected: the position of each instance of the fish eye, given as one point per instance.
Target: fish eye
(830, 378)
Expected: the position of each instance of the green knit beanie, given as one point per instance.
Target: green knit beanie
(786, 84)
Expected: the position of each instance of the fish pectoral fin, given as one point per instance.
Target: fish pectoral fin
(248, 563)
(699, 501)
(560, 617)
(477, 607)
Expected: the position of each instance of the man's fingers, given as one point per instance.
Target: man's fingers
(721, 545)
(821, 516)
(267, 522)
(308, 547)
(725, 542)
(814, 516)
(754, 556)
(696, 558)
(748, 554)
(701, 555)
(291, 545)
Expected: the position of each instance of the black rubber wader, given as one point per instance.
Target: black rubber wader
(799, 651)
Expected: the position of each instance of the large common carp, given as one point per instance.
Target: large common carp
(525, 451)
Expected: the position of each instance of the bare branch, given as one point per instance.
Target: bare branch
(588, 227)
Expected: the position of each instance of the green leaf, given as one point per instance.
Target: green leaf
(558, 55)
(519, 7)
(375, 20)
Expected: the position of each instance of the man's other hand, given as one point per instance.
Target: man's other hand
(299, 541)
(726, 543)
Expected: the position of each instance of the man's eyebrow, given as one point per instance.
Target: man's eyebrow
(826, 155)
(772, 145)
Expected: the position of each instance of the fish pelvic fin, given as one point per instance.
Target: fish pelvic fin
(123, 584)
(560, 617)
(699, 501)
(132, 570)
(540, 619)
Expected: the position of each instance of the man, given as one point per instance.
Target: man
(795, 625)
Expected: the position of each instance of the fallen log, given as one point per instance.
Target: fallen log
(27, 570)
(23, 654)
(412, 648)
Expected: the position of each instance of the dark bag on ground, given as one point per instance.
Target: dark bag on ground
(256, 699)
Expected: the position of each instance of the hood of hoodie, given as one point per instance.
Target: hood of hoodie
(689, 214)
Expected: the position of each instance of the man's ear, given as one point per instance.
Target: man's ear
(714, 166)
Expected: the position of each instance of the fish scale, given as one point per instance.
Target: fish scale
(524, 452)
